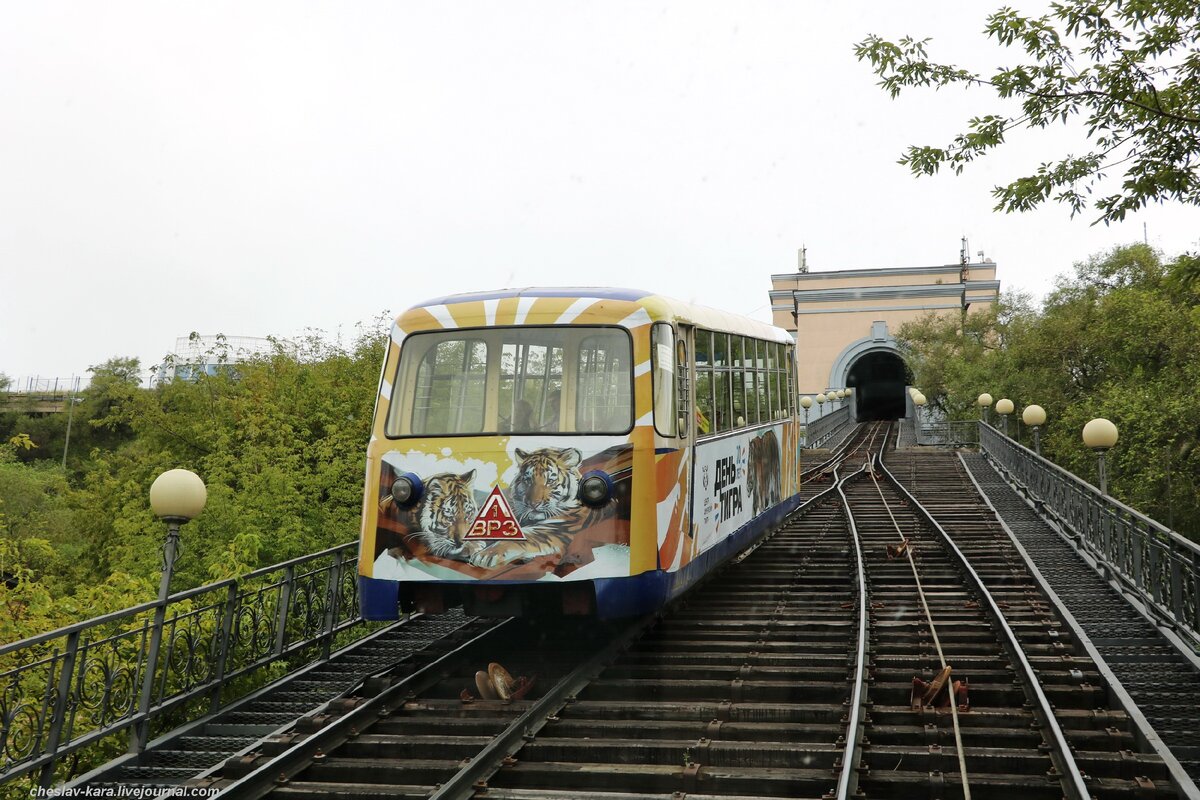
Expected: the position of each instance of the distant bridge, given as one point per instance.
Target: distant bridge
(273, 683)
(39, 395)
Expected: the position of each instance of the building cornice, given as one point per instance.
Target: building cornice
(830, 295)
(881, 272)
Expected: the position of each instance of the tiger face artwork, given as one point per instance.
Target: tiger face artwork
(445, 514)
(763, 472)
(546, 484)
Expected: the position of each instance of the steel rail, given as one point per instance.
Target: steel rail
(856, 714)
(490, 758)
(1073, 781)
(260, 781)
(958, 742)
(1144, 731)
(847, 778)
(472, 778)
(836, 456)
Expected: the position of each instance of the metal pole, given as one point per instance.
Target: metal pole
(1004, 423)
(1037, 441)
(66, 677)
(140, 733)
(1102, 474)
(70, 416)
(228, 610)
(1170, 503)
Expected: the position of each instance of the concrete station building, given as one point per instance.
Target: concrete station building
(845, 323)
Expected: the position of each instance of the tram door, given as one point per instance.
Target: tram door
(684, 347)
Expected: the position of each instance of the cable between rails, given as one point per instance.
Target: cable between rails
(958, 744)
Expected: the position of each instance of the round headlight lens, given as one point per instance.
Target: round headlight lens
(406, 489)
(595, 489)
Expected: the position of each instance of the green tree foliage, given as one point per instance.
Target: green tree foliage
(1129, 71)
(1118, 339)
(279, 440)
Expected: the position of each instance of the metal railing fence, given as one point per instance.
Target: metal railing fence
(825, 428)
(74, 687)
(948, 433)
(1155, 563)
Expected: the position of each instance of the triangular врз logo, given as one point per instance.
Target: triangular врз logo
(495, 520)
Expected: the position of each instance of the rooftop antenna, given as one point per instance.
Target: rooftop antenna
(963, 255)
(803, 259)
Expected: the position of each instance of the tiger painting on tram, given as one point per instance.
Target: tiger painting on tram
(535, 451)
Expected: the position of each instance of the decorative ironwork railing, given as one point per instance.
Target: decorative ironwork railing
(78, 686)
(826, 427)
(1150, 560)
(953, 433)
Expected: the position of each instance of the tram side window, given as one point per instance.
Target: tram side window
(748, 380)
(662, 351)
(760, 381)
(721, 389)
(450, 388)
(790, 358)
(704, 405)
(602, 394)
(736, 383)
(777, 401)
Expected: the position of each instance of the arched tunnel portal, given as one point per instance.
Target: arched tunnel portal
(879, 378)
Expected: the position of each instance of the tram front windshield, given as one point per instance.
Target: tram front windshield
(526, 380)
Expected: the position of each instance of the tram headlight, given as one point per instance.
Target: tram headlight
(407, 489)
(595, 489)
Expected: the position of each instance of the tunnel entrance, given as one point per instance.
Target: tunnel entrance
(879, 379)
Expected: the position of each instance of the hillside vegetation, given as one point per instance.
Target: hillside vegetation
(1119, 338)
(279, 440)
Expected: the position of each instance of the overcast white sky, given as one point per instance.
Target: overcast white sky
(262, 168)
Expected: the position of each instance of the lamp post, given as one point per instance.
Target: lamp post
(919, 402)
(984, 402)
(1100, 435)
(1035, 416)
(176, 496)
(1004, 407)
(72, 401)
(821, 398)
(806, 404)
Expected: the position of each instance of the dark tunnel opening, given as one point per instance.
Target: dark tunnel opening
(879, 379)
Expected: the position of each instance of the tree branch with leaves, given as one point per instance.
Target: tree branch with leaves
(1129, 71)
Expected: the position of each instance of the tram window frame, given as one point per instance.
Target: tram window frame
(722, 391)
(400, 420)
(513, 386)
(737, 380)
(599, 378)
(464, 381)
(750, 368)
(664, 387)
(683, 396)
(777, 401)
(702, 358)
(790, 358)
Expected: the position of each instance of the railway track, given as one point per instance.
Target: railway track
(850, 454)
(1142, 667)
(789, 673)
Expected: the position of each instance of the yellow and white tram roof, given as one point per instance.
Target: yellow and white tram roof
(629, 308)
